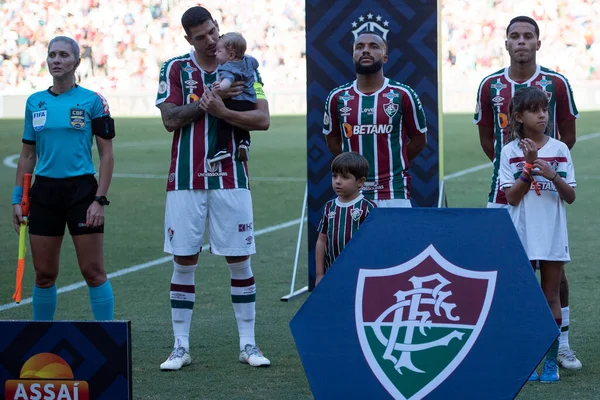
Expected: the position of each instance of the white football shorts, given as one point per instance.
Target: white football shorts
(393, 203)
(228, 213)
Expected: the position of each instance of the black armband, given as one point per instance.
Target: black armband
(104, 127)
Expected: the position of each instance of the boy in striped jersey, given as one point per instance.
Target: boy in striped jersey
(343, 215)
(491, 116)
(199, 192)
(379, 118)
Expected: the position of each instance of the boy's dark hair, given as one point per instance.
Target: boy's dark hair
(528, 98)
(350, 163)
(376, 34)
(193, 17)
(523, 18)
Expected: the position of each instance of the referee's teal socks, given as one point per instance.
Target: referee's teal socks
(44, 303)
(102, 302)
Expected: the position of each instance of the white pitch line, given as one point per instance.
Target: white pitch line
(489, 165)
(252, 178)
(11, 162)
(139, 267)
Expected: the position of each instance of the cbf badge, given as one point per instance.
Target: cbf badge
(412, 313)
(77, 118)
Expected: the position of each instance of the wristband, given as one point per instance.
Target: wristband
(554, 177)
(17, 195)
(527, 165)
(527, 181)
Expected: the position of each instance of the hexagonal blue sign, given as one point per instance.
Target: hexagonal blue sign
(436, 303)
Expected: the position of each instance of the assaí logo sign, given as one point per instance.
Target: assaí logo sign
(416, 322)
(46, 376)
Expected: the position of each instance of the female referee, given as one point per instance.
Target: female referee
(59, 127)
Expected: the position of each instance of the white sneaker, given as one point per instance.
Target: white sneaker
(253, 356)
(567, 359)
(220, 155)
(177, 359)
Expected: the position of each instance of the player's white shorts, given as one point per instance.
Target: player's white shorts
(496, 205)
(393, 203)
(229, 216)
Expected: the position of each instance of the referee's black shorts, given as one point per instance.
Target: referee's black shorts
(59, 202)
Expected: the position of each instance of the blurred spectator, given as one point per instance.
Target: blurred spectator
(473, 34)
(123, 46)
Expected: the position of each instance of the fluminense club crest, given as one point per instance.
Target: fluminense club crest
(390, 109)
(416, 322)
(371, 23)
(356, 213)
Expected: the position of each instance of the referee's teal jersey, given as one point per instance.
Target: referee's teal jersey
(60, 127)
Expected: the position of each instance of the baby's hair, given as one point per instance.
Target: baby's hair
(525, 99)
(235, 42)
(350, 163)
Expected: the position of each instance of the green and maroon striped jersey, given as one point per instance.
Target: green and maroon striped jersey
(377, 125)
(181, 82)
(340, 221)
(493, 99)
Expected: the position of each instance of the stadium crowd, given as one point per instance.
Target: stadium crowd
(473, 33)
(122, 47)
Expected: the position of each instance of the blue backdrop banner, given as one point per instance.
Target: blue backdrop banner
(419, 306)
(410, 28)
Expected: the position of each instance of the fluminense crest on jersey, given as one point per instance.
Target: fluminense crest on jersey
(356, 213)
(416, 322)
(370, 23)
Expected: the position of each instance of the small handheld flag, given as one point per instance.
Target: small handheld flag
(22, 235)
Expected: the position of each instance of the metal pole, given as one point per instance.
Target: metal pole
(300, 230)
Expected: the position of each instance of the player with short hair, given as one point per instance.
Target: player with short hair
(60, 125)
(491, 116)
(379, 118)
(343, 215)
(199, 192)
(537, 176)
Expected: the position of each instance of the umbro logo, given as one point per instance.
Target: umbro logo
(345, 111)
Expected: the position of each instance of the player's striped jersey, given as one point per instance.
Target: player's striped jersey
(340, 221)
(378, 126)
(541, 221)
(60, 126)
(493, 100)
(181, 82)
